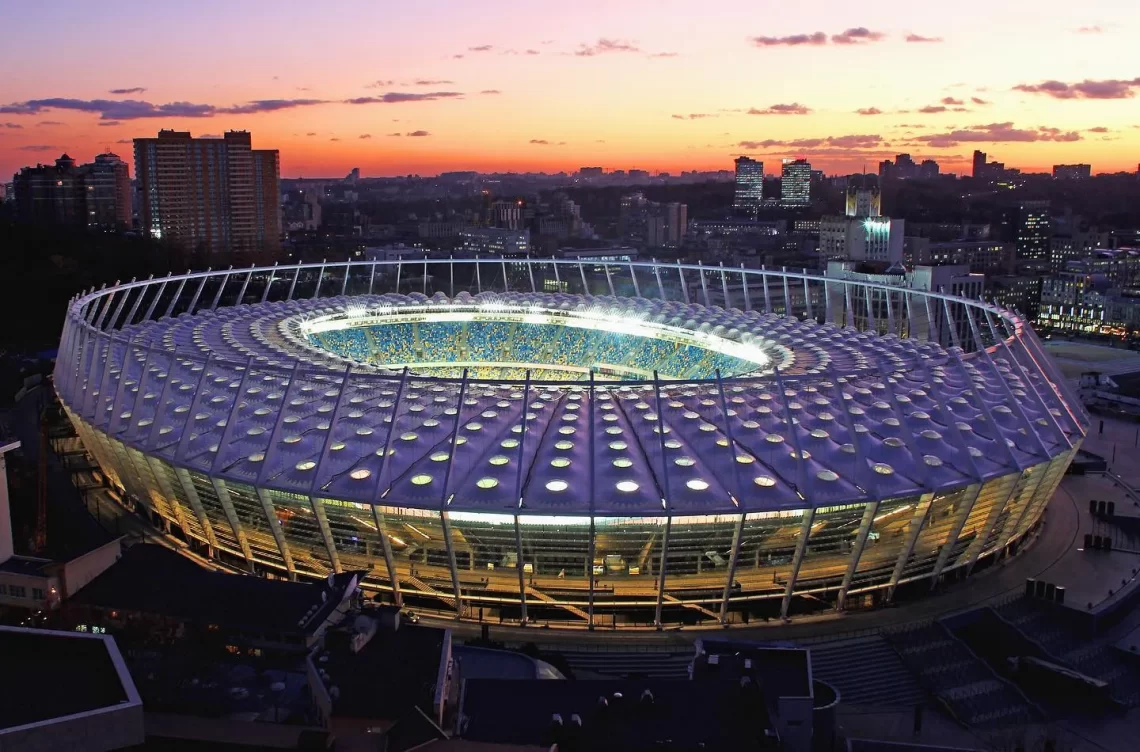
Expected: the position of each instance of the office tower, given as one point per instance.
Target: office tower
(863, 234)
(749, 191)
(1072, 172)
(905, 168)
(506, 215)
(1033, 230)
(979, 164)
(795, 187)
(95, 195)
(928, 169)
(213, 195)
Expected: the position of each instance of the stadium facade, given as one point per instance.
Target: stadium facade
(603, 444)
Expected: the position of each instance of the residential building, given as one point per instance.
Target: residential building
(749, 192)
(218, 196)
(95, 195)
(506, 215)
(905, 167)
(928, 169)
(495, 241)
(1019, 292)
(979, 164)
(1033, 230)
(982, 256)
(1072, 172)
(795, 186)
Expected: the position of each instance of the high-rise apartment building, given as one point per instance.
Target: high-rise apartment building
(749, 183)
(95, 195)
(1033, 230)
(1072, 171)
(215, 195)
(905, 167)
(979, 164)
(795, 187)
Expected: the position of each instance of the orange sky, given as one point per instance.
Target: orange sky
(653, 84)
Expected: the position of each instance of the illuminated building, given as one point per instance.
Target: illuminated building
(604, 460)
(863, 234)
(215, 195)
(795, 186)
(1033, 230)
(749, 192)
(1072, 172)
(494, 240)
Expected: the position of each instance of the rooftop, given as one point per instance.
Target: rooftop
(54, 674)
(679, 715)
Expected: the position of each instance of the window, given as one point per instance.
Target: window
(37, 594)
(18, 591)
(3, 589)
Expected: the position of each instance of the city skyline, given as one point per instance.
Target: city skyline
(644, 85)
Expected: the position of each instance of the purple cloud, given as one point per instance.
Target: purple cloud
(919, 39)
(397, 97)
(857, 141)
(952, 101)
(269, 105)
(694, 116)
(481, 48)
(532, 52)
(490, 91)
(604, 46)
(417, 134)
(995, 133)
(132, 90)
(1087, 89)
(869, 111)
(382, 83)
(365, 135)
(431, 82)
(979, 101)
(857, 35)
(49, 122)
(794, 40)
(37, 147)
(795, 108)
(111, 109)
(932, 109)
(110, 122)
(12, 125)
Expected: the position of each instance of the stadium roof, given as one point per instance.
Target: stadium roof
(851, 416)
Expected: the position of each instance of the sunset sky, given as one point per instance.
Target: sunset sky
(434, 85)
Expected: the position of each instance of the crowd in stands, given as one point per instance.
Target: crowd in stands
(506, 342)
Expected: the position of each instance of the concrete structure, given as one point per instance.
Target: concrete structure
(929, 432)
(1072, 172)
(218, 196)
(1033, 230)
(68, 691)
(494, 241)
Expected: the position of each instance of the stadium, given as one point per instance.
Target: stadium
(580, 444)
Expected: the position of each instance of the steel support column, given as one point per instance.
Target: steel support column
(869, 513)
(797, 561)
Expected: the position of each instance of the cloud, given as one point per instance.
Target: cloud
(694, 116)
(932, 109)
(132, 90)
(269, 105)
(996, 133)
(1099, 129)
(1090, 30)
(664, 54)
(857, 35)
(124, 141)
(110, 122)
(795, 108)
(431, 82)
(397, 97)
(531, 52)
(919, 39)
(334, 139)
(457, 57)
(605, 46)
(12, 125)
(869, 111)
(481, 48)
(111, 109)
(365, 135)
(395, 134)
(37, 147)
(490, 91)
(416, 134)
(380, 84)
(979, 101)
(858, 141)
(952, 101)
(540, 142)
(49, 122)
(1087, 89)
(794, 40)
(310, 134)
